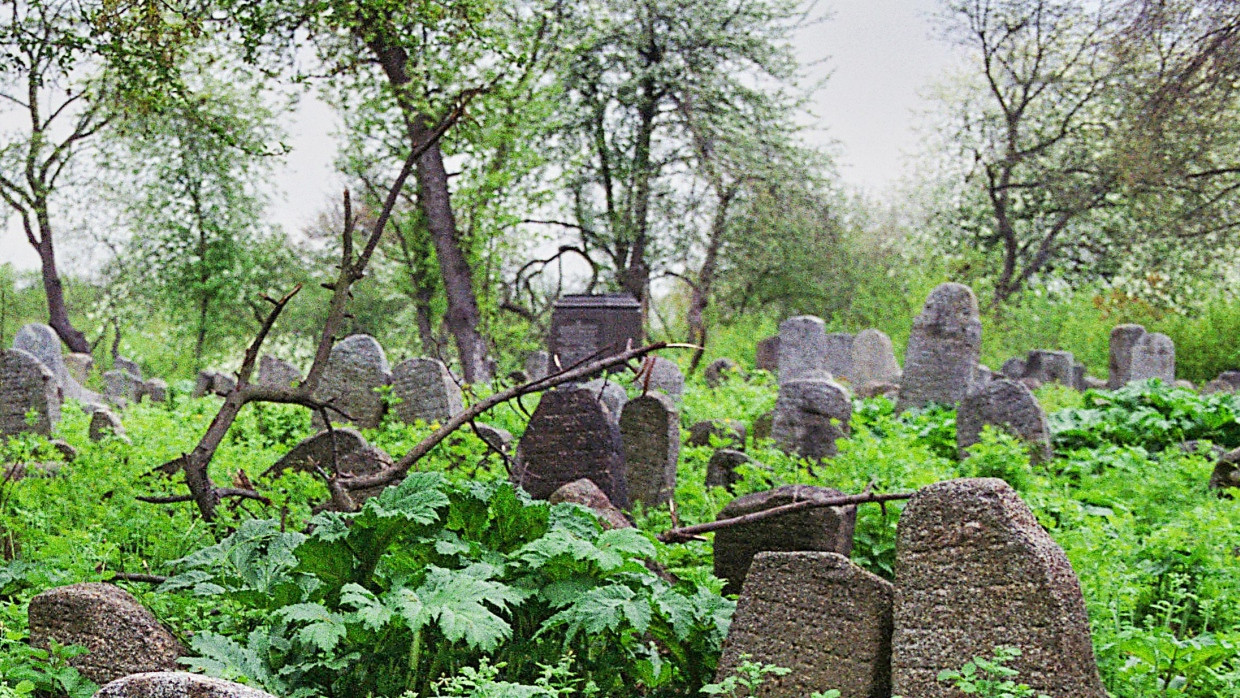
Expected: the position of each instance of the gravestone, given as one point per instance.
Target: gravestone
(665, 376)
(802, 349)
(121, 636)
(1218, 386)
(821, 616)
(721, 470)
(277, 373)
(120, 363)
(594, 327)
(1008, 404)
(1092, 383)
(1052, 366)
(891, 391)
(1014, 368)
(202, 384)
(105, 423)
(823, 529)
(176, 684)
(1232, 377)
(1226, 474)
(427, 391)
(942, 350)
(588, 495)
(873, 359)
(42, 342)
(1153, 356)
(610, 393)
(25, 385)
(981, 376)
(571, 435)
(730, 429)
(1123, 339)
(762, 426)
(538, 365)
(121, 388)
(650, 437)
(766, 354)
(355, 368)
(353, 456)
(496, 438)
(79, 365)
(155, 390)
(810, 415)
(974, 570)
(717, 370)
(838, 359)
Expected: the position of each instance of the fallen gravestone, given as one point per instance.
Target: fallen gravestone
(571, 435)
(277, 373)
(721, 470)
(942, 349)
(103, 424)
(873, 359)
(974, 571)
(766, 354)
(810, 415)
(818, 614)
(345, 447)
(1123, 339)
(823, 529)
(718, 370)
(588, 495)
(731, 430)
(26, 385)
(355, 368)
(802, 349)
(120, 636)
(1153, 356)
(426, 390)
(650, 437)
(176, 684)
(838, 357)
(1008, 404)
(213, 383)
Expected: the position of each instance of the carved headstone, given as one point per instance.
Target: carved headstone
(538, 365)
(427, 391)
(802, 349)
(838, 357)
(105, 423)
(1004, 403)
(570, 436)
(355, 368)
(650, 436)
(730, 429)
(25, 385)
(721, 470)
(1153, 356)
(823, 529)
(974, 570)
(584, 326)
(766, 355)
(1123, 339)
(176, 684)
(873, 359)
(818, 614)
(943, 349)
(121, 636)
(810, 415)
(717, 370)
(1052, 366)
(277, 372)
(665, 376)
(587, 494)
(352, 455)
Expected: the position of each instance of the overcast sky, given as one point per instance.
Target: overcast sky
(880, 54)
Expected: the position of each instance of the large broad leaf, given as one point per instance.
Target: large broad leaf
(461, 602)
(605, 609)
(323, 629)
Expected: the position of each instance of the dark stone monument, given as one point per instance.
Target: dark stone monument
(352, 453)
(717, 370)
(810, 415)
(730, 429)
(942, 350)
(25, 385)
(650, 436)
(1008, 404)
(585, 326)
(570, 436)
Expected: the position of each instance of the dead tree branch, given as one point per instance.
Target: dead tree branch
(685, 533)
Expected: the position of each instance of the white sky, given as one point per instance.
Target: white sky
(880, 55)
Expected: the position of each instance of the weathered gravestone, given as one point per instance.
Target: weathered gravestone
(981, 376)
(810, 415)
(732, 430)
(1052, 366)
(873, 359)
(942, 349)
(1013, 368)
(537, 365)
(277, 373)
(838, 358)
(79, 365)
(355, 368)
(121, 636)
(665, 376)
(588, 495)
(823, 529)
(974, 570)
(120, 363)
(610, 393)
(821, 616)
(345, 447)
(176, 684)
(593, 327)
(426, 390)
(571, 435)
(1231, 377)
(1123, 339)
(103, 424)
(1008, 404)
(155, 390)
(1218, 386)
(721, 470)
(802, 349)
(25, 385)
(121, 388)
(650, 437)
(762, 425)
(495, 437)
(42, 342)
(718, 370)
(1153, 356)
(766, 354)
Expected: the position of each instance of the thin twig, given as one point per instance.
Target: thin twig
(680, 535)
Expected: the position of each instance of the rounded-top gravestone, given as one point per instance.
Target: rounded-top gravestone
(426, 390)
(873, 359)
(810, 414)
(356, 366)
(26, 385)
(650, 434)
(176, 684)
(1007, 404)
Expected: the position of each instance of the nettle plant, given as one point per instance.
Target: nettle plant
(429, 578)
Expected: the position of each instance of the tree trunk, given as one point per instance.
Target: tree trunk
(636, 278)
(700, 296)
(57, 314)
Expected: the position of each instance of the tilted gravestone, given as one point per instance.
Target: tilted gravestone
(1008, 404)
(721, 470)
(345, 449)
(731, 430)
(810, 415)
(802, 349)
(824, 529)
(1052, 366)
(821, 616)
(1153, 356)
(121, 636)
(277, 373)
(650, 436)
(495, 437)
(873, 359)
(26, 385)
(537, 365)
(942, 350)
(766, 354)
(665, 376)
(426, 390)
(355, 368)
(838, 358)
(717, 370)
(176, 684)
(571, 435)
(610, 393)
(105, 423)
(974, 570)
(1123, 339)
(585, 327)
(588, 495)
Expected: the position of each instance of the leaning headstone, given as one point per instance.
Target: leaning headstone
(665, 376)
(721, 470)
(120, 363)
(802, 349)
(810, 415)
(717, 370)
(1052, 367)
(426, 390)
(873, 359)
(571, 435)
(79, 365)
(819, 614)
(176, 684)
(610, 393)
(42, 342)
(276, 372)
(593, 326)
(121, 387)
(1153, 356)
(25, 385)
(120, 635)
(650, 437)
(766, 355)
(838, 359)
(974, 570)
(1123, 339)
(824, 529)
(156, 390)
(538, 365)
(355, 368)
(730, 429)
(346, 447)
(105, 423)
(1008, 404)
(942, 350)
(587, 494)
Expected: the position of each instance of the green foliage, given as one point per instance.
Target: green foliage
(747, 676)
(989, 677)
(1149, 415)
